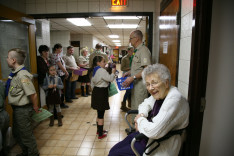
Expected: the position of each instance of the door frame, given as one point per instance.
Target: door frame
(202, 13)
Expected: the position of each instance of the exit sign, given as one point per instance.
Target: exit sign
(119, 2)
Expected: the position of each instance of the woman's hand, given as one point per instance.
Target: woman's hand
(113, 70)
(66, 75)
(50, 86)
(138, 115)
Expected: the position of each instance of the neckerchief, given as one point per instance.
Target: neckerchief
(10, 77)
(95, 70)
(131, 58)
(52, 78)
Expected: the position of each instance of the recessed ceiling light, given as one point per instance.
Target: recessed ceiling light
(124, 26)
(113, 36)
(115, 41)
(79, 21)
(122, 17)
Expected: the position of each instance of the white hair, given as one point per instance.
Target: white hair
(161, 70)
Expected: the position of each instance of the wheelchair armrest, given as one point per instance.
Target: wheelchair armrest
(132, 112)
(140, 137)
(131, 129)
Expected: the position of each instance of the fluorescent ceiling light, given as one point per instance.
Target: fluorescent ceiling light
(79, 21)
(124, 26)
(6, 20)
(167, 17)
(163, 26)
(115, 41)
(113, 36)
(122, 17)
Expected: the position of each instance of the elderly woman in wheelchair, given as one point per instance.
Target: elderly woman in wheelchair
(161, 118)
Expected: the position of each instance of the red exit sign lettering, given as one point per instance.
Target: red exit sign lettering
(119, 2)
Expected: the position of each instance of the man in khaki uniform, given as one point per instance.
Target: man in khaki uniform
(139, 61)
(23, 99)
(125, 67)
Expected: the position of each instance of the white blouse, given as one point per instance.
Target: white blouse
(102, 78)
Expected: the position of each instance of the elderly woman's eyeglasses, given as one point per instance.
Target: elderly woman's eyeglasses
(153, 84)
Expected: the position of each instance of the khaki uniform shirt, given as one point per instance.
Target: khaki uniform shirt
(125, 63)
(83, 60)
(96, 53)
(69, 62)
(141, 58)
(21, 88)
(102, 78)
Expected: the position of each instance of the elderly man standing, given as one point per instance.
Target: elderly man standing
(140, 59)
(70, 66)
(97, 52)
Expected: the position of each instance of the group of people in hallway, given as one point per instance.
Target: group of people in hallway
(161, 112)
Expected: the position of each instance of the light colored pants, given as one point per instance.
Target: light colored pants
(57, 107)
(138, 94)
(42, 96)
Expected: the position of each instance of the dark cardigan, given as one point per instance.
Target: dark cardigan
(42, 69)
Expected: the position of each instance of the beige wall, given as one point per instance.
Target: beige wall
(62, 37)
(45, 38)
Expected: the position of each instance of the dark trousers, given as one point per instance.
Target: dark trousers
(123, 148)
(70, 89)
(22, 129)
(62, 91)
(127, 95)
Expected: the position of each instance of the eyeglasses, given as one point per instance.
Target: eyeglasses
(153, 84)
(131, 38)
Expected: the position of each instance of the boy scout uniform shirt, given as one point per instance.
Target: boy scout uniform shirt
(20, 88)
(141, 58)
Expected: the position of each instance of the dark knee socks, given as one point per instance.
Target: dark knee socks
(100, 130)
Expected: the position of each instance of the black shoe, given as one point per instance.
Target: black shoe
(69, 101)
(75, 98)
(64, 106)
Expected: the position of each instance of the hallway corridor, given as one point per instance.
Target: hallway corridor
(78, 136)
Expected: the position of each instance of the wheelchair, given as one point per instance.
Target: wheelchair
(139, 137)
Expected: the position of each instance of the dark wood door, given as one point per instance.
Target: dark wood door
(169, 37)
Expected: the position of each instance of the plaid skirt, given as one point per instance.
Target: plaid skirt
(99, 99)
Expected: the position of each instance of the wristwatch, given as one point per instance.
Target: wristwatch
(134, 77)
